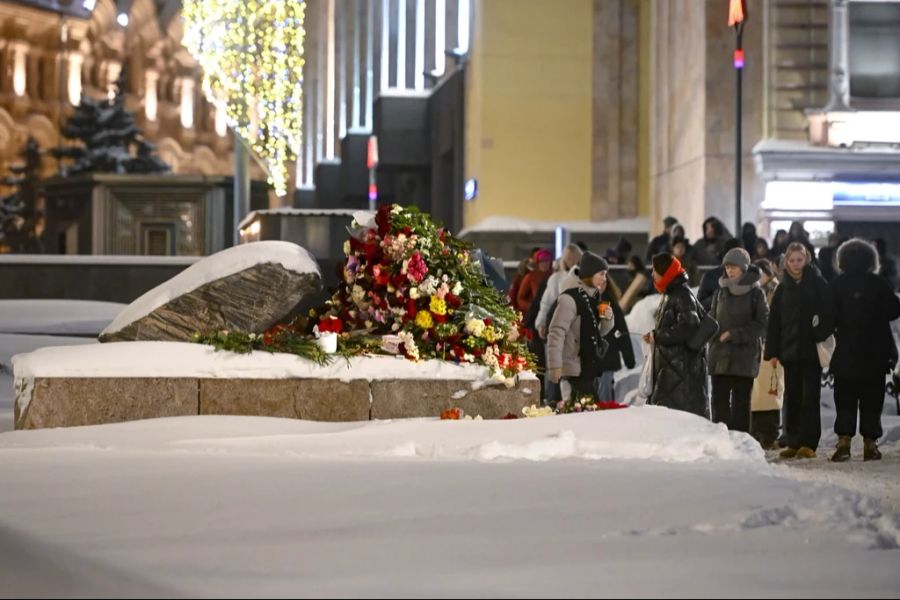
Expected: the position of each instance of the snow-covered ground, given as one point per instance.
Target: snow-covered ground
(640, 502)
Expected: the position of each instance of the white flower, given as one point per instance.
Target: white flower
(475, 327)
(397, 209)
(414, 293)
(457, 288)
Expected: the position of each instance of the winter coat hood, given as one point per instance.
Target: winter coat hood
(857, 256)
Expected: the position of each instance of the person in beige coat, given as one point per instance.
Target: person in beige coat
(768, 388)
(578, 324)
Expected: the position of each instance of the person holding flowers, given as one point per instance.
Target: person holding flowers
(575, 344)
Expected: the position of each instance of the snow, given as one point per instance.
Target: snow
(638, 502)
(222, 264)
(636, 225)
(261, 507)
(57, 317)
(99, 259)
(295, 212)
(665, 435)
(184, 359)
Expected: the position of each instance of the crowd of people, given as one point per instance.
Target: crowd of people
(763, 325)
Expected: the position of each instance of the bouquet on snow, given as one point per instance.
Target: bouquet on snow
(413, 284)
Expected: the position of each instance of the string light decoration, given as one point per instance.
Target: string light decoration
(251, 52)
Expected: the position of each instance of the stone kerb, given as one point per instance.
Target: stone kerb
(73, 401)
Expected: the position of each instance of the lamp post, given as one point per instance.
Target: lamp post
(737, 14)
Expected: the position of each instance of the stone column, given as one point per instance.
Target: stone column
(839, 72)
(151, 101)
(20, 60)
(615, 117)
(187, 102)
(74, 77)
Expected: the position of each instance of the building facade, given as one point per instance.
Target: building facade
(52, 51)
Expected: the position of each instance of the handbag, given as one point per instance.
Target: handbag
(708, 328)
(825, 350)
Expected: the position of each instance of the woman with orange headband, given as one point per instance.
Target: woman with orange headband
(679, 372)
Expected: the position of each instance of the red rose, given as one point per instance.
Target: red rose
(383, 219)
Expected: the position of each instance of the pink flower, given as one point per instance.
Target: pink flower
(416, 268)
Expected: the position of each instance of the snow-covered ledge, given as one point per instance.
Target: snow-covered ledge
(105, 383)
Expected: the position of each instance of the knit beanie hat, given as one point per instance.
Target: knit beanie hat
(591, 264)
(737, 257)
(662, 262)
(543, 255)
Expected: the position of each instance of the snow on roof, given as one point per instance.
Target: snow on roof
(98, 259)
(297, 212)
(222, 264)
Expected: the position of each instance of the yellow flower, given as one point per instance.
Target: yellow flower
(438, 306)
(424, 320)
(490, 334)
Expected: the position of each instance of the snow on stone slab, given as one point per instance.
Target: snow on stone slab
(222, 264)
(642, 433)
(57, 317)
(185, 359)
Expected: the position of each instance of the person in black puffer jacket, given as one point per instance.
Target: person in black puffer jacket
(679, 373)
(801, 315)
(734, 354)
(864, 307)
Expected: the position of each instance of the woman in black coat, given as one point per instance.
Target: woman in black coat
(801, 315)
(679, 373)
(865, 305)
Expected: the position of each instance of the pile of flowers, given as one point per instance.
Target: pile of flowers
(414, 286)
(408, 288)
(585, 404)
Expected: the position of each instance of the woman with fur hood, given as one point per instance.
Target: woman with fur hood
(739, 306)
(575, 345)
(865, 305)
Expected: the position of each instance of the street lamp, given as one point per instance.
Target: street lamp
(737, 14)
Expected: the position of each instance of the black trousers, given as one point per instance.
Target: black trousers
(764, 427)
(865, 395)
(582, 386)
(731, 401)
(802, 410)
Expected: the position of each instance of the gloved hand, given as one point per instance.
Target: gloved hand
(554, 375)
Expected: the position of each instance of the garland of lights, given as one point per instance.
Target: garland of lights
(251, 52)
